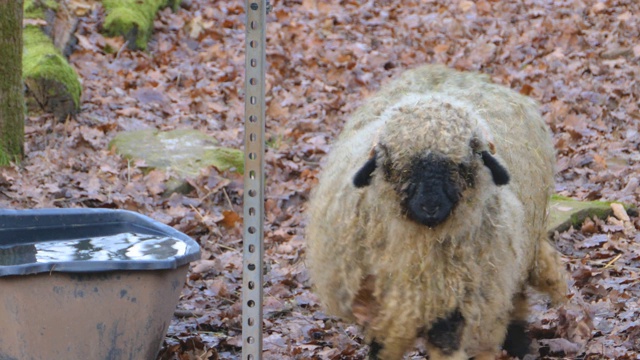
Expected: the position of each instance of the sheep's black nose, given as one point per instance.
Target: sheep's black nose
(433, 218)
(429, 210)
(430, 193)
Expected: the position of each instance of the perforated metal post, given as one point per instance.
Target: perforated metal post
(254, 124)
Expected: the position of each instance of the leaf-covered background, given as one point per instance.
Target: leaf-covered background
(579, 58)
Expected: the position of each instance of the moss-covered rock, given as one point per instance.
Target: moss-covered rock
(183, 151)
(50, 79)
(566, 212)
(133, 19)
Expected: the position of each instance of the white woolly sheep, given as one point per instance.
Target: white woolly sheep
(429, 219)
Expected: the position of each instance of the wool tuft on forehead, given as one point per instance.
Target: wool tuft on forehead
(422, 124)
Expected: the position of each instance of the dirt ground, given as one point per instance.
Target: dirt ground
(579, 58)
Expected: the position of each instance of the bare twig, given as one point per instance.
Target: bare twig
(612, 261)
(224, 191)
(201, 218)
(187, 313)
(121, 49)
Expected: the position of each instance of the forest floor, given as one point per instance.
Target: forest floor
(580, 59)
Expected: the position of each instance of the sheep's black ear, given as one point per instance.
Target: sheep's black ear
(498, 172)
(363, 176)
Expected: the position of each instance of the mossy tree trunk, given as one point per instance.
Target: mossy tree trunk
(11, 88)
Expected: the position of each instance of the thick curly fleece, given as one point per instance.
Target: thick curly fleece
(471, 270)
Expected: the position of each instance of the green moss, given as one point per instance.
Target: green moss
(274, 142)
(133, 19)
(6, 159)
(108, 49)
(628, 207)
(51, 4)
(225, 159)
(174, 4)
(42, 61)
(11, 87)
(566, 212)
(34, 9)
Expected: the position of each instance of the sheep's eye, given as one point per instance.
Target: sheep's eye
(466, 174)
(475, 144)
(388, 171)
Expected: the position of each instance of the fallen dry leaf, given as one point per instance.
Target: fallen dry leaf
(620, 212)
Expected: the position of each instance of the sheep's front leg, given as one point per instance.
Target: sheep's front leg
(517, 343)
(437, 354)
(395, 347)
(374, 350)
(394, 342)
(444, 339)
(485, 356)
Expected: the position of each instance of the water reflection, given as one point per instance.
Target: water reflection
(125, 246)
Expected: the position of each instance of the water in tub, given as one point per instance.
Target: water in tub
(125, 246)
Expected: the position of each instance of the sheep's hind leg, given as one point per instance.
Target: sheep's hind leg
(548, 275)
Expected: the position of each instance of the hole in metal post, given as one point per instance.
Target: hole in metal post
(251, 285)
(252, 230)
(254, 62)
(251, 303)
(252, 137)
(253, 44)
(249, 357)
(253, 81)
(250, 322)
(252, 248)
(254, 6)
(251, 267)
(252, 193)
(253, 118)
(253, 100)
(252, 156)
(251, 340)
(254, 25)
(252, 176)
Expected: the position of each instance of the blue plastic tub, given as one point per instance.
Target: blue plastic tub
(88, 283)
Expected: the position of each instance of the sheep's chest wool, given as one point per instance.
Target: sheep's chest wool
(430, 214)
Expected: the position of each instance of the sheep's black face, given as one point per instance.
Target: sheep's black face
(432, 189)
(429, 189)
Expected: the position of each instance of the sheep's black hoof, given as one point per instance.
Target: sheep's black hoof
(517, 343)
(446, 334)
(374, 350)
